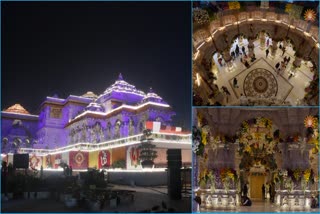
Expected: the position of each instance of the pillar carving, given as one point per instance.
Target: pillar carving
(297, 62)
(227, 58)
(274, 48)
(251, 48)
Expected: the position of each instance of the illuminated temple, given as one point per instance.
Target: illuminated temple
(93, 131)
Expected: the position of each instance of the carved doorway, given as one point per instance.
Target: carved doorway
(256, 182)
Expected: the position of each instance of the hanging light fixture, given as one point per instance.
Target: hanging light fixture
(310, 15)
(309, 122)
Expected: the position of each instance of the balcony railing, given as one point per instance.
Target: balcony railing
(127, 141)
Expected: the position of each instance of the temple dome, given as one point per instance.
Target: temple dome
(152, 97)
(90, 94)
(123, 92)
(93, 106)
(17, 108)
(124, 87)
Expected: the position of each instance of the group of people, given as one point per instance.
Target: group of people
(245, 61)
(245, 200)
(281, 66)
(236, 52)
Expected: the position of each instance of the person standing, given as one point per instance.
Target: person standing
(233, 55)
(272, 192)
(220, 61)
(263, 192)
(283, 50)
(268, 40)
(237, 50)
(246, 64)
(245, 190)
(277, 66)
(227, 93)
(267, 52)
(244, 50)
(235, 83)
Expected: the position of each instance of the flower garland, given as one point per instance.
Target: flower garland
(307, 175)
(199, 139)
(257, 144)
(293, 178)
(218, 178)
(312, 125)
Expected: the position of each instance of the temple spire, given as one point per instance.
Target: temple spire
(120, 77)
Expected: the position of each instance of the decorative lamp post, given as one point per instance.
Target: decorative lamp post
(147, 152)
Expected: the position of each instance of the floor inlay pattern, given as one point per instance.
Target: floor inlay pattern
(260, 83)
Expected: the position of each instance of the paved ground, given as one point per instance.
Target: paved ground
(145, 200)
(258, 206)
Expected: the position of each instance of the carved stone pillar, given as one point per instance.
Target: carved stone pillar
(297, 62)
(262, 40)
(251, 48)
(274, 48)
(264, 4)
(227, 58)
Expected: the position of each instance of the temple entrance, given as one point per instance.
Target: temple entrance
(258, 142)
(256, 182)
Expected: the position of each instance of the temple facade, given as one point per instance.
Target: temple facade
(93, 131)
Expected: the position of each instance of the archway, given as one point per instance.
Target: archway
(258, 139)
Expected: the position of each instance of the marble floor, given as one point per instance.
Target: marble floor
(290, 90)
(259, 206)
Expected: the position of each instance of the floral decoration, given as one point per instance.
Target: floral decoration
(224, 178)
(257, 144)
(200, 16)
(199, 138)
(295, 178)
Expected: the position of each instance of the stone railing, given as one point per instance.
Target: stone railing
(132, 140)
(293, 200)
(218, 199)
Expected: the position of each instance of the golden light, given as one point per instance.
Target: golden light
(198, 79)
(310, 121)
(310, 15)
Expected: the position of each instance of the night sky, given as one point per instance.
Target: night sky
(68, 48)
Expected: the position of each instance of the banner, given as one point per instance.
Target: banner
(35, 162)
(154, 126)
(133, 161)
(57, 160)
(104, 159)
(93, 159)
(78, 160)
